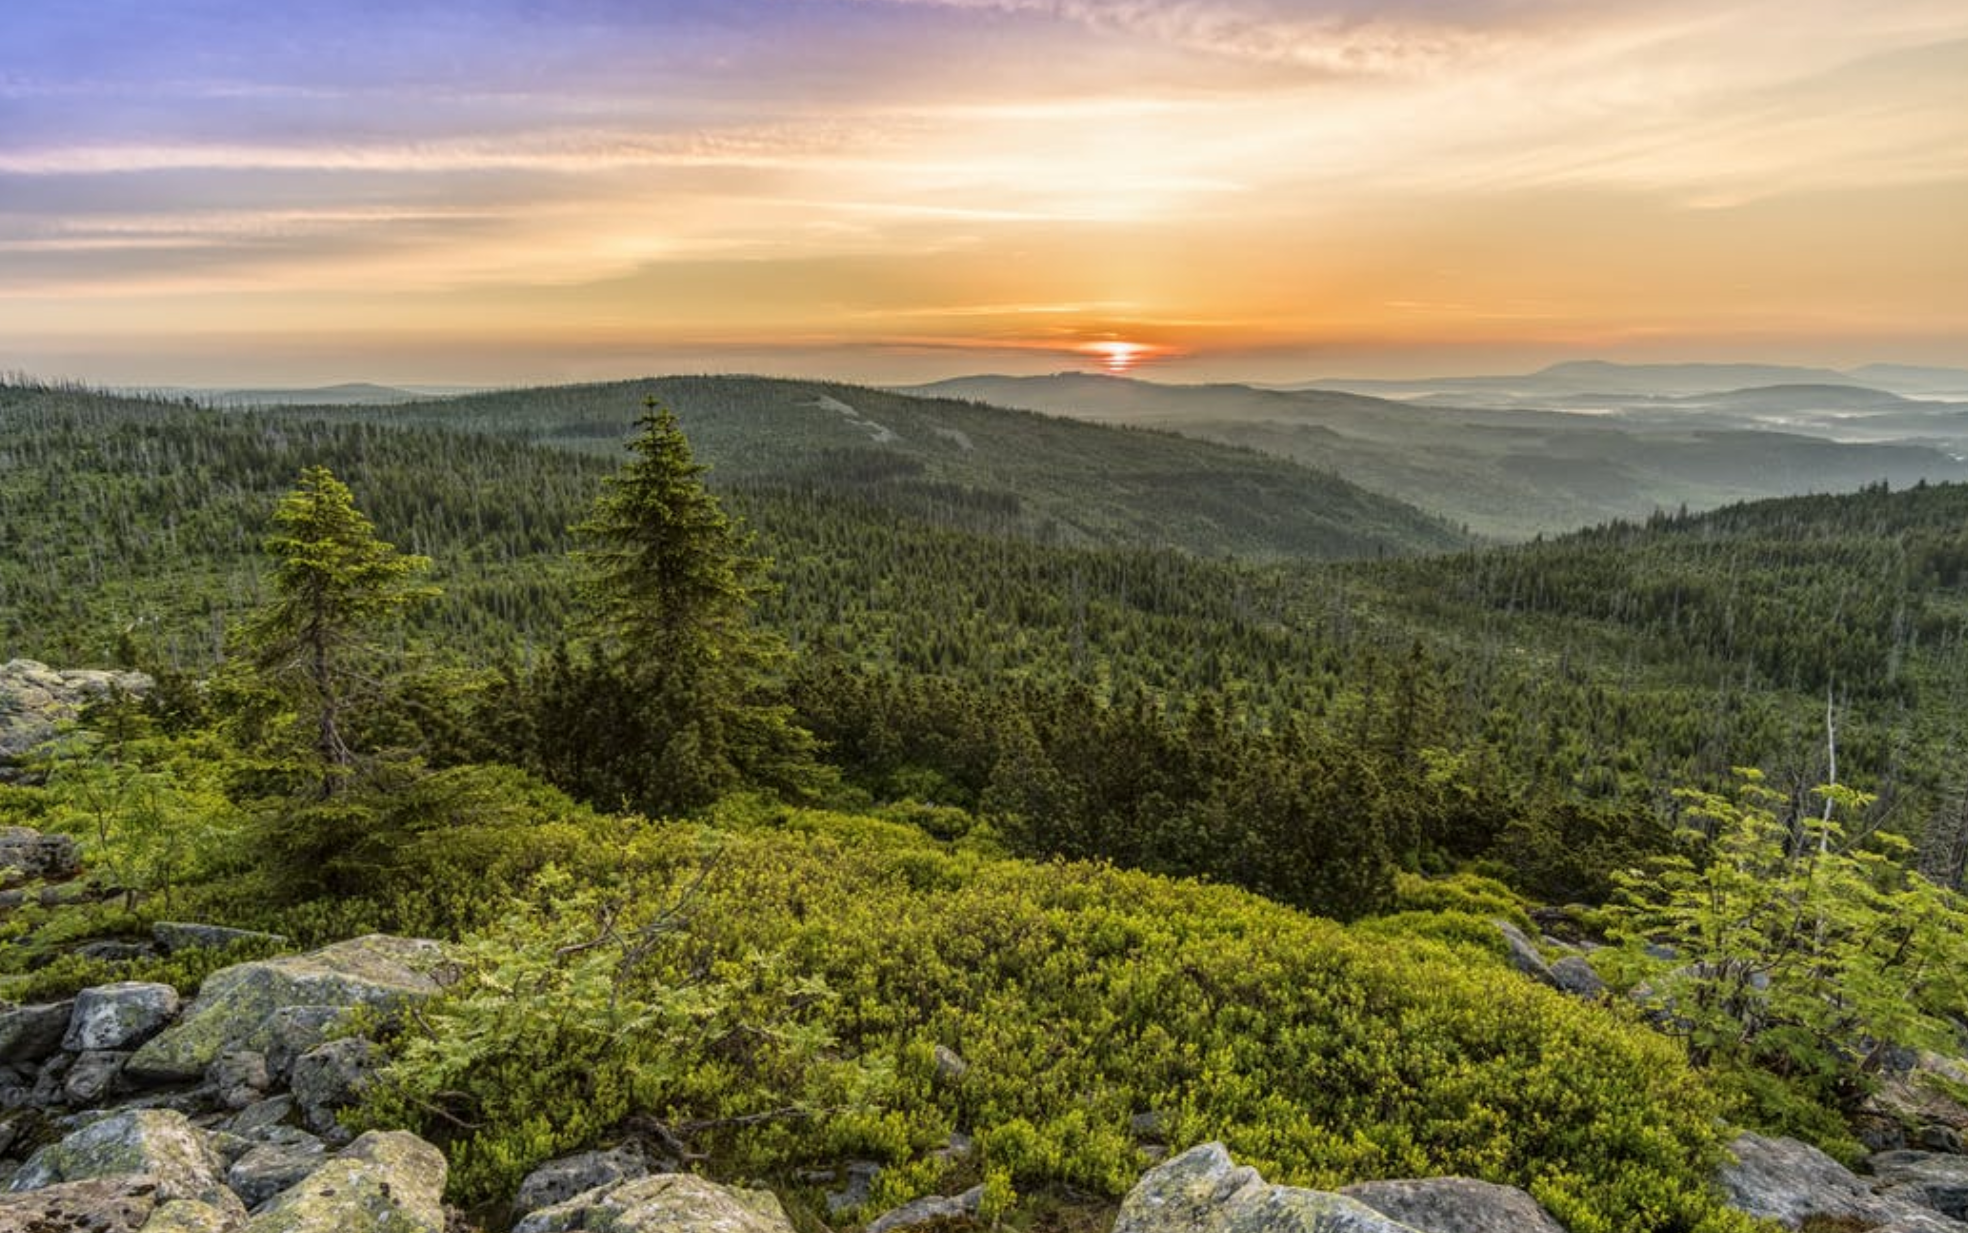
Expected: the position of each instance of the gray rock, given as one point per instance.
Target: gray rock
(266, 1170)
(1455, 1205)
(387, 1181)
(1524, 955)
(1148, 1126)
(239, 1078)
(239, 1007)
(1928, 1179)
(663, 1203)
(173, 936)
(560, 1180)
(27, 855)
(119, 1016)
(100, 1205)
(261, 1115)
(48, 1082)
(191, 1216)
(1202, 1191)
(1576, 977)
(930, 1208)
(292, 1031)
(31, 1033)
(950, 1066)
(36, 699)
(92, 1076)
(1791, 1182)
(330, 1077)
(861, 1175)
(157, 1142)
(110, 950)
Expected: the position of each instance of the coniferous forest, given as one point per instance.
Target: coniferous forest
(759, 744)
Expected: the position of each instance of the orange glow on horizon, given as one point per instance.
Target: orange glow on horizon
(1117, 357)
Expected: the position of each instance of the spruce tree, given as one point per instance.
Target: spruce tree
(675, 666)
(337, 589)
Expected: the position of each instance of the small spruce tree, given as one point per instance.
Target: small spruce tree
(674, 665)
(315, 647)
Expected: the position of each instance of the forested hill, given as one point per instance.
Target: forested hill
(1518, 472)
(968, 465)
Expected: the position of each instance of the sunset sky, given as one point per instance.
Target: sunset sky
(228, 192)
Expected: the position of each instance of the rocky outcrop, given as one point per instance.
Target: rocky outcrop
(35, 700)
(662, 1203)
(1524, 955)
(160, 1144)
(27, 855)
(385, 1182)
(282, 1007)
(102, 1205)
(928, 1210)
(560, 1180)
(1455, 1205)
(1792, 1183)
(1928, 1179)
(119, 1016)
(1202, 1191)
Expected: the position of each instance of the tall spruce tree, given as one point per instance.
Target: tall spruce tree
(676, 681)
(337, 589)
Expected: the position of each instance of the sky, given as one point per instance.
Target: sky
(238, 192)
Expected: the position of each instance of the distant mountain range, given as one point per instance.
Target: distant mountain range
(1599, 378)
(1514, 457)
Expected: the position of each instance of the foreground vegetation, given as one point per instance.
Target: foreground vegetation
(962, 834)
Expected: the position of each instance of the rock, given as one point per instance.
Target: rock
(1921, 1096)
(109, 950)
(1148, 1126)
(47, 1090)
(1577, 977)
(1791, 1182)
(27, 855)
(560, 1180)
(387, 1181)
(950, 1066)
(239, 1078)
(100, 1205)
(861, 1175)
(35, 699)
(1925, 1178)
(266, 1170)
(292, 1031)
(92, 1076)
(119, 1016)
(173, 936)
(156, 1142)
(331, 1077)
(239, 1007)
(1455, 1205)
(930, 1208)
(1202, 1191)
(261, 1115)
(1524, 955)
(662, 1203)
(31, 1033)
(191, 1216)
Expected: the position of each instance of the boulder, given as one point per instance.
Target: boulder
(1455, 1205)
(172, 936)
(239, 1078)
(119, 1016)
(662, 1203)
(100, 1205)
(240, 1007)
(1791, 1182)
(330, 1077)
(261, 1116)
(92, 1076)
(560, 1180)
(269, 1168)
(1202, 1191)
(387, 1181)
(31, 1033)
(1524, 955)
(27, 855)
(159, 1143)
(36, 699)
(930, 1209)
(191, 1216)
(1928, 1179)
(1577, 977)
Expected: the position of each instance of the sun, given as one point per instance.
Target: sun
(1117, 357)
